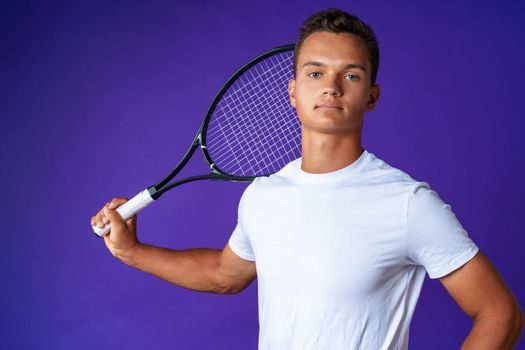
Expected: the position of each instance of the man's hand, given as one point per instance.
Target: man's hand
(122, 237)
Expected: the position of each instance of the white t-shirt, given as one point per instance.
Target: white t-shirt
(341, 257)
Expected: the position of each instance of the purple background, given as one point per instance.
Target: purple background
(99, 99)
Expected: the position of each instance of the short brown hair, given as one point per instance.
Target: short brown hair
(337, 21)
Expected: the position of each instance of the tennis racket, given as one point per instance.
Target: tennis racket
(250, 130)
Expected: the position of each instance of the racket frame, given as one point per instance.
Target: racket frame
(200, 140)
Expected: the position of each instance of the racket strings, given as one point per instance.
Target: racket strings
(260, 147)
(254, 130)
(252, 142)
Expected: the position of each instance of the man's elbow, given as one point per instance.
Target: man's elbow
(509, 318)
(517, 320)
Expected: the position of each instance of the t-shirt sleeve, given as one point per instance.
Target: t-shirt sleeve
(239, 241)
(436, 239)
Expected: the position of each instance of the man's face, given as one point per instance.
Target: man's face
(332, 88)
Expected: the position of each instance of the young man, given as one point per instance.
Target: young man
(339, 240)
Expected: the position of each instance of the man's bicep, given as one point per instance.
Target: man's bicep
(235, 271)
(478, 288)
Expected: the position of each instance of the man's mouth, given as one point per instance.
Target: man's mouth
(329, 105)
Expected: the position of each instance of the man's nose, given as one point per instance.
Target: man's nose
(332, 87)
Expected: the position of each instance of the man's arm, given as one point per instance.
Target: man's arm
(482, 294)
(201, 269)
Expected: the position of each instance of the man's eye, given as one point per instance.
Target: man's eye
(352, 77)
(314, 75)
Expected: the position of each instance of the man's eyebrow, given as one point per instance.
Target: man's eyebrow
(321, 64)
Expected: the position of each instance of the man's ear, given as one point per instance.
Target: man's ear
(291, 91)
(372, 99)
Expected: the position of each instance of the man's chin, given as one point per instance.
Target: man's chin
(331, 129)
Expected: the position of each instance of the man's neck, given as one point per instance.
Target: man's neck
(324, 153)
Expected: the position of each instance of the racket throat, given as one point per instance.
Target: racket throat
(153, 192)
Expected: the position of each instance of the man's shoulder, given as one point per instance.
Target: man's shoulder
(379, 172)
(281, 177)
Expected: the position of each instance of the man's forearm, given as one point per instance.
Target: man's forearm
(491, 333)
(194, 269)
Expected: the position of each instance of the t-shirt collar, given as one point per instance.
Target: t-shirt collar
(304, 176)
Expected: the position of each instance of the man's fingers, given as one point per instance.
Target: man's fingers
(114, 217)
(117, 224)
(116, 202)
(98, 220)
(101, 218)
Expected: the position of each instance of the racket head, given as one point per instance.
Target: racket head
(250, 128)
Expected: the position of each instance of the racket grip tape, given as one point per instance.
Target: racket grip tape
(127, 210)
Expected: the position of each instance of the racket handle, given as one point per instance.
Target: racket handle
(127, 210)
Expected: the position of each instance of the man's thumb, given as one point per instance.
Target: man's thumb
(114, 218)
